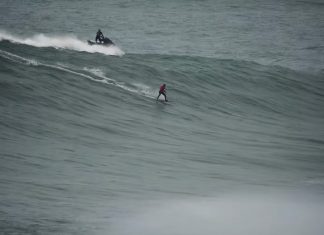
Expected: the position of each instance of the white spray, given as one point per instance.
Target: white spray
(70, 42)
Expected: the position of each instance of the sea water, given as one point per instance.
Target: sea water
(86, 149)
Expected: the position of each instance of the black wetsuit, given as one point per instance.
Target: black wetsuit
(99, 36)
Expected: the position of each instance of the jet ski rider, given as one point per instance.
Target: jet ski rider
(99, 36)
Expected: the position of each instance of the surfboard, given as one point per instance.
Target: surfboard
(163, 101)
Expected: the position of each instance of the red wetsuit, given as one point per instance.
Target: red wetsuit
(162, 89)
(162, 92)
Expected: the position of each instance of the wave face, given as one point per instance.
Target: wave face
(86, 149)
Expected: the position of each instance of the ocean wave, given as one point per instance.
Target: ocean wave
(229, 123)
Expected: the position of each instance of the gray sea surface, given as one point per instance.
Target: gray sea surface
(85, 148)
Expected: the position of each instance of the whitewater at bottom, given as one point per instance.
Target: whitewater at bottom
(269, 213)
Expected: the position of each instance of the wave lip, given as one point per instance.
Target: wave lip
(70, 42)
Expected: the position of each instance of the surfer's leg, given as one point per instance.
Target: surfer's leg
(164, 96)
(158, 96)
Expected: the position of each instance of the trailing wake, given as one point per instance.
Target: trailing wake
(96, 75)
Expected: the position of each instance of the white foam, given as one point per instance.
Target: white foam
(137, 88)
(96, 71)
(145, 90)
(17, 58)
(70, 42)
(236, 215)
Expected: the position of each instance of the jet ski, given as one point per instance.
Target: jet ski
(104, 42)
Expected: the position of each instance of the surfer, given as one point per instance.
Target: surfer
(99, 36)
(162, 91)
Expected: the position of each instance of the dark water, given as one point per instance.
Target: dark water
(86, 149)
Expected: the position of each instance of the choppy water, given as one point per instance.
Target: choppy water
(86, 149)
